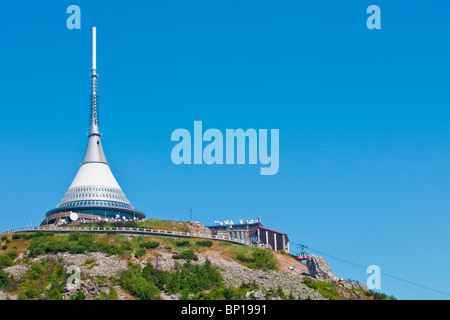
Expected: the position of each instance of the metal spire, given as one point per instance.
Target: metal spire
(94, 151)
(94, 104)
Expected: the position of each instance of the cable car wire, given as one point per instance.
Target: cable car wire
(386, 274)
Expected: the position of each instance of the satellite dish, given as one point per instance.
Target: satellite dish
(73, 216)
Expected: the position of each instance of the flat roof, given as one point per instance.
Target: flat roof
(244, 225)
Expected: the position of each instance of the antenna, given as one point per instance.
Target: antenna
(94, 49)
(94, 98)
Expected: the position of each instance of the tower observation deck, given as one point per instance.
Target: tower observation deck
(94, 193)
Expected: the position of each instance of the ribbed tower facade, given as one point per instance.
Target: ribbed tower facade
(94, 193)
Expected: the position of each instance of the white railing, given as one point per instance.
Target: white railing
(130, 229)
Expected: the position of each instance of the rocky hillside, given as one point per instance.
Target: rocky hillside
(120, 267)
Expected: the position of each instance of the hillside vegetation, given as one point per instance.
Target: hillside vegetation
(115, 266)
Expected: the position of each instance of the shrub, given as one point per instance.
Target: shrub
(221, 294)
(186, 279)
(260, 259)
(134, 282)
(158, 277)
(378, 295)
(78, 296)
(43, 234)
(4, 238)
(149, 245)
(186, 255)
(193, 278)
(183, 243)
(7, 259)
(139, 253)
(15, 236)
(205, 243)
(100, 224)
(4, 247)
(27, 236)
(249, 285)
(7, 282)
(276, 292)
(36, 282)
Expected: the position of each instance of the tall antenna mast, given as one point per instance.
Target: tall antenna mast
(94, 98)
(94, 49)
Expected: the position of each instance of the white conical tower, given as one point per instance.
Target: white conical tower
(94, 191)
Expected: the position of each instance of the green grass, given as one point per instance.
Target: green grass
(326, 290)
(377, 295)
(111, 296)
(7, 259)
(79, 242)
(163, 225)
(147, 224)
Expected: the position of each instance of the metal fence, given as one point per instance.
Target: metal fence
(143, 231)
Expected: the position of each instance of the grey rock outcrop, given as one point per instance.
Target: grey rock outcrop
(18, 271)
(92, 264)
(348, 284)
(318, 268)
(255, 295)
(89, 288)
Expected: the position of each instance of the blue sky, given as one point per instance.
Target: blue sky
(363, 118)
